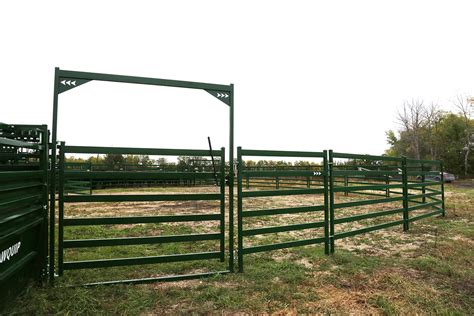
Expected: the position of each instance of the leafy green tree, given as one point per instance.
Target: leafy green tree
(441, 136)
(114, 161)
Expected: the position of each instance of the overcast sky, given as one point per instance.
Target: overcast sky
(308, 75)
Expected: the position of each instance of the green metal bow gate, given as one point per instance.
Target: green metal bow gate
(319, 174)
(66, 221)
(66, 80)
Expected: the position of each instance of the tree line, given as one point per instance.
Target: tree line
(121, 162)
(427, 132)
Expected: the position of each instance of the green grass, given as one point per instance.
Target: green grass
(429, 270)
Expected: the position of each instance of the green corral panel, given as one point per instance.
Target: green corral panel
(23, 207)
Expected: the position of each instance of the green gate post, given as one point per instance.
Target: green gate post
(423, 188)
(441, 166)
(44, 162)
(231, 179)
(331, 200)
(240, 244)
(52, 196)
(327, 246)
(405, 193)
(222, 191)
(61, 208)
(277, 183)
(346, 184)
(90, 183)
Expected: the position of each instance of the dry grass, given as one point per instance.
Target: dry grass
(428, 270)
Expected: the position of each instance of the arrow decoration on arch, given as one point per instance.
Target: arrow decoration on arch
(66, 84)
(223, 96)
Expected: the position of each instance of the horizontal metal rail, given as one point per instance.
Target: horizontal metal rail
(417, 217)
(143, 80)
(138, 151)
(423, 184)
(126, 241)
(367, 215)
(283, 245)
(367, 187)
(137, 175)
(24, 212)
(423, 173)
(171, 278)
(18, 186)
(280, 153)
(281, 192)
(363, 173)
(424, 205)
(433, 190)
(140, 198)
(87, 221)
(283, 173)
(104, 263)
(18, 143)
(279, 229)
(421, 161)
(21, 175)
(8, 233)
(281, 211)
(365, 157)
(417, 196)
(367, 202)
(31, 198)
(367, 229)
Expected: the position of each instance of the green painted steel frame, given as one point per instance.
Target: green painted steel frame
(395, 175)
(26, 199)
(63, 176)
(241, 173)
(84, 77)
(384, 175)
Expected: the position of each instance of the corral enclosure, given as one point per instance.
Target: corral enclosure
(158, 211)
(125, 224)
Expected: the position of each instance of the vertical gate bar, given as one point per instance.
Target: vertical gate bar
(331, 199)
(62, 157)
(240, 244)
(222, 191)
(52, 197)
(405, 193)
(90, 180)
(277, 183)
(231, 179)
(423, 188)
(327, 247)
(44, 158)
(441, 167)
(346, 184)
(247, 182)
(387, 183)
